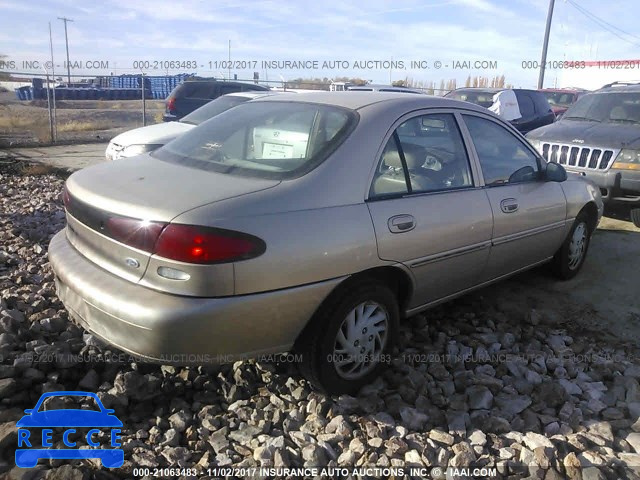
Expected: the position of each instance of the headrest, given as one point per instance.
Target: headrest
(413, 155)
(618, 113)
(391, 158)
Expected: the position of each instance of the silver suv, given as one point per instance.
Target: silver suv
(599, 137)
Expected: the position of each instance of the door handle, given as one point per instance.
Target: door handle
(509, 205)
(401, 223)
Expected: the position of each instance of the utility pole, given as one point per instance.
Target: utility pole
(54, 135)
(545, 44)
(66, 40)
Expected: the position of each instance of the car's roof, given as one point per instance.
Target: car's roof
(481, 89)
(251, 95)
(354, 102)
(391, 88)
(622, 88)
(493, 90)
(563, 90)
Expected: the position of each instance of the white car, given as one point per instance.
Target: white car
(146, 139)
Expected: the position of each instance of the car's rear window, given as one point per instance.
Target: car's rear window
(484, 99)
(213, 108)
(264, 139)
(561, 99)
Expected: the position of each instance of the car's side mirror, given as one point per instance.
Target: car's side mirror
(109, 410)
(555, 172)
(29, 411)
(524, 174)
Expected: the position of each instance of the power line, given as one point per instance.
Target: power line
(580, 7)
(604, 24)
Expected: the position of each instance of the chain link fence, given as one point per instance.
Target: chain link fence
(35, 109)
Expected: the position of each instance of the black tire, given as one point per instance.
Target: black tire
(562, 265)
(316, 344)
(635, 216)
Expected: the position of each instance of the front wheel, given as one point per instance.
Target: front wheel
(350, 339)
(569, 259)
(635, 216)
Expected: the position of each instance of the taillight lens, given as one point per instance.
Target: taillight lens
(205, 245)
(171, 104)
(140, 234)
(183, 243)
(66, 198)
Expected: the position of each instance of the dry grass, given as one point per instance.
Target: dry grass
(158, 117)
(39, 125)
(80, 126)
(37, 169)
(13, 122)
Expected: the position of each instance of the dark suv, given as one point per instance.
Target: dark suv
(534, 107)
(561, 99)
(190, 95)
(599, 137)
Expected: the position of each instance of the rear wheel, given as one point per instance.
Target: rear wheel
(350, 339)
(635, 216)
(569, 259)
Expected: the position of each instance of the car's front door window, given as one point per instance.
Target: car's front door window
(503, 157)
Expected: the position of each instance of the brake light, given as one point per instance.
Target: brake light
(140, 234)
(66, 198)
(171, 104)
(206, 245)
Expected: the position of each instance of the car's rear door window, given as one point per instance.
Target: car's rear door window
(527, 108)
(198, 89)
(425, 154)
(224, 89)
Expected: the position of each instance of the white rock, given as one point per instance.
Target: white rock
(534, 440)
(634, 440)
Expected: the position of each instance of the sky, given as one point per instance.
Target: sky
(466, 37)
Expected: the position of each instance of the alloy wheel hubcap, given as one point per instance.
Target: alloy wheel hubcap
(577, 245)
(360, 340)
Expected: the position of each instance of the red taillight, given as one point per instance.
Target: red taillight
(135, 233)
(192, 244)
(171, 104)
(66, 198)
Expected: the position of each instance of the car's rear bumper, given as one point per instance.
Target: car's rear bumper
(616, 186)
(170, 117)
(174, 329)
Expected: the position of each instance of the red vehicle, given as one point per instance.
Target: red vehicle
(561, 99)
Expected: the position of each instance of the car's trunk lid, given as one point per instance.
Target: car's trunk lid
(148, 191)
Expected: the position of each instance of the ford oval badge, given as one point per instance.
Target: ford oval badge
(132, 262)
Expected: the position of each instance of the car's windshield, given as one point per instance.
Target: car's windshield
(482, 98)
(612, 107)
(265, 139)
(560, 99)
(213, 108)
(68, 402)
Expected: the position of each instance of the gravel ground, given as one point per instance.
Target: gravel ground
(484, 381)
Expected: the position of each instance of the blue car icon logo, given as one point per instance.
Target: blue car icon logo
(69, 419)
